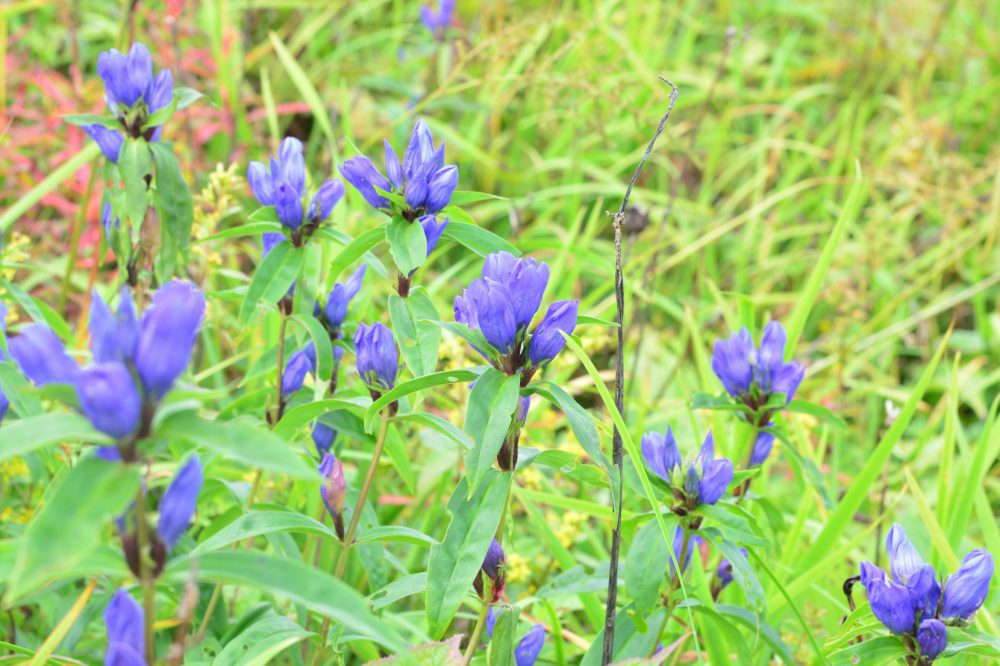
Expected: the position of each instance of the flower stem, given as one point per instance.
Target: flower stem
(278, 397)
(674, 580)
(145, 577)
(477, 632)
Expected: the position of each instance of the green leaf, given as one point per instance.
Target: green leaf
(505, 638)
(186, 96)
(756, 625)
(161, 115)
(356, 249)
(84, 119)
(243, 442)
(249, 229)
(477, 239)
(418, 339)
(23, 397)
(580, 421)
(412, 386)
(35, 432)
(302, 584)
(321, 339)
(646, 565)
(135, 165)
(266, 214)
(74, 516)
(407, 244)
(487, 420)
(464, 198)
(257, 523)
(273, 278)
(297, 417)
(872, 652)
(471, 335)
(176, 205)
(722, 401)
(429, 654)
(799, 406)
(261, 642)
(455, 562)
(396, 534)
(743, 573)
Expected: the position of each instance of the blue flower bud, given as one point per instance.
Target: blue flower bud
(486, 305)
(179, 502)
(362, 174)
(108, 140)
(871, 574)
(333, 486)
(742, 367)
(492, 615)
(417, 190)
(290, 166)
(762, 447)
(890, 603)
(966, 590)
(326, 197)
(661, 453)
(716, 473)
(269, 240)
(109, 398)
(288, 203)
(126, 78)
(393, 168)
(547, 340)
(724, 572)
(42, 357)
(377, 356)
(419, 151)
(161, 92)
(904, 560)
(924, 591)
(340, 297)
(932, 638)
(523, 405)
(260, 183)
(528, 649)
(107, 219)
(438, 21)
(731, 362)
(284, 185)
(433, 228)
(113, 337)
(299, 365)
(676, 545)
(440, 187)
(123, 617)
(167, 333)
(494, 566)
(525, 280)
(323, 437)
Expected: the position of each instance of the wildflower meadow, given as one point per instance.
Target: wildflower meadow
(499, 333)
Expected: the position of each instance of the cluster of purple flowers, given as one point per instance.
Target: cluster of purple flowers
(702, 479)
(753, 374)
(912, 603)
(135, 360)
(132, 94)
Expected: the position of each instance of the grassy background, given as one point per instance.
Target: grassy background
(782, 106)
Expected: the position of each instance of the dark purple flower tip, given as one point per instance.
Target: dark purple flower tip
(377, 356)
(528, 649)
(890, 603)
(440, 187)
(433, 228)
(924, 591)
(334, 486)
(323, 437)
(419, 151)
(731, 362)
(123, 618)
(661, 453)
(288, 204)
(108, 140)
(494, 565)
(298, 367)
(492, 615)
(547, 340)
(966, 590)
(366, 179)
(904, 560)
(486, 305)
(417, 190)
(326, 197)
(179, 502)
(393, 167)
(762, 447)
(127, 78)
(167, 333)
(41, 356)
(524, 278)
(113, 336)
(932, 638)
(109, 398)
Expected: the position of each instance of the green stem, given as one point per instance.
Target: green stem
(148, 588)
(477, 633)
(278, 398)
(674, 580)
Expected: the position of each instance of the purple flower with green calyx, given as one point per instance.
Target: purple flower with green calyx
(323, 437)
(299, 366)
(502, 303)
(132, 94)
(332, 489)
(283, 186)
(178, 503)
(724, 572)
(494, 569)
(438, 21)
(751, 374)
(762, 446)
(377, 356)
(966, 590)
(702, 480)
(421, 179)
(335, 310)
(932, 638)
(123, 618)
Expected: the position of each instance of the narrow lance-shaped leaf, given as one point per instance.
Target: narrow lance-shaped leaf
(487, 420)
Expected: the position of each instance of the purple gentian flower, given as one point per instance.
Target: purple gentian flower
(966, 590)
(41, 356)
(109, 398)
(123, 617)
(178, 503)
(167, 333)
(752, 374)
(377, 356)
(702, 481)
(340, 297)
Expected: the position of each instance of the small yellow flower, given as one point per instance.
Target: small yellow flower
(531, 478)
(518, 567)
